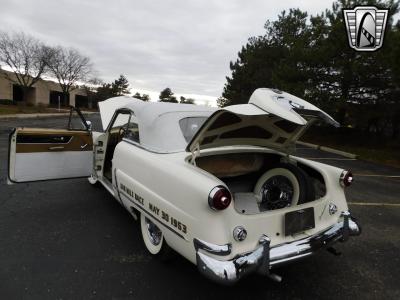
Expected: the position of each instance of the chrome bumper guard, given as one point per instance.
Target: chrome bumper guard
(263, 258)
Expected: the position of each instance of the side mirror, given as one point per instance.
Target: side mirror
(89, 125)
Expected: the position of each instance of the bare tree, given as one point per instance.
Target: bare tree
(25, 56)
(69, 67)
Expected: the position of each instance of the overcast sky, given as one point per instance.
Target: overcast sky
(184, 45)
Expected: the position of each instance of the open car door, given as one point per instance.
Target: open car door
(44, 154)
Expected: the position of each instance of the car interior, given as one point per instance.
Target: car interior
(122, 127)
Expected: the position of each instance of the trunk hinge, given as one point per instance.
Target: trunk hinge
(195, 153)
(290, 145)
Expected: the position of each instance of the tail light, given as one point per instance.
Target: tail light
(346, 179)
(219, 198)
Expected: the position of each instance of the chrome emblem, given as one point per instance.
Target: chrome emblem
(332, 208)
(365, 27)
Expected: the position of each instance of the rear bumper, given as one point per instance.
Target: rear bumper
(263, 258)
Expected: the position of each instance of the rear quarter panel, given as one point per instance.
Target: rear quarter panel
(167, 188)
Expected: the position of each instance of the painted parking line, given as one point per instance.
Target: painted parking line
(329, 158)
(374, 204)
(376, 175)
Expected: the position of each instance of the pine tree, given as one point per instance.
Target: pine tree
(120, 86)
(184, 100)
(137, 96)
(167, 95)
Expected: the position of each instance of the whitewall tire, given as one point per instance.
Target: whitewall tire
(152, 235)
(93, 180)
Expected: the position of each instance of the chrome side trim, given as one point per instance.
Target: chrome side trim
(211, 248)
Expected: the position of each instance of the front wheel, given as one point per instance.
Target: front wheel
(153, 238)
(94, 181)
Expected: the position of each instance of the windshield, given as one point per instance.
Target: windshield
(190, 125)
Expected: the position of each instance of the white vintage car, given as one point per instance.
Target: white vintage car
(218, 186)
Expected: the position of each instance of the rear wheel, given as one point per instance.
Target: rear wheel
(283, 186)
(153, 238)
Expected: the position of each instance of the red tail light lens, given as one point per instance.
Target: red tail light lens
(346, 179)
(219, 198)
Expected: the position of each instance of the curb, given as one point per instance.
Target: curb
(328, 149)
(40, 115)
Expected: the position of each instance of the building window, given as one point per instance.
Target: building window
(58, 98)
(18, 93)
(81, 101)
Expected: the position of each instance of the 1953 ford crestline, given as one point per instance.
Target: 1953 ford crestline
(219, 186)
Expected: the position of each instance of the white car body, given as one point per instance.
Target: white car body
(159, 172)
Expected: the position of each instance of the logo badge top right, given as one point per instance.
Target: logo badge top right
(365, 27)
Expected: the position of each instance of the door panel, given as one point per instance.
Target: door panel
(49, 140)
(44, 154)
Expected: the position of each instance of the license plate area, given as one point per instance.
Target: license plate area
(299, 221)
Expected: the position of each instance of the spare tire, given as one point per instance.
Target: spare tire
(283, 186)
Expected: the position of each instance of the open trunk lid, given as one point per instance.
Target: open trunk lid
(272, 119)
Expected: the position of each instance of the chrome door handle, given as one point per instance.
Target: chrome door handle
(56, 148)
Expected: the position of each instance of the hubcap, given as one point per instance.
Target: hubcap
(154, 233)
(277, 192)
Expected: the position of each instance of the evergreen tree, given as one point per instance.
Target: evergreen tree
(137, 96)
(145, 97)
(120, 86)
(222, 102)
(105, 91)
(184, 100)
(167, 95)
(310, 58)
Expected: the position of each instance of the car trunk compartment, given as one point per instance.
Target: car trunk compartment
(242, 171)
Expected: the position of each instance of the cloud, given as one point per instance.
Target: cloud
(184, 45)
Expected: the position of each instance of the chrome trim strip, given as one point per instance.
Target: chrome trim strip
(211, 248)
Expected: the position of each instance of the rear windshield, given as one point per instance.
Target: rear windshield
(190, 125)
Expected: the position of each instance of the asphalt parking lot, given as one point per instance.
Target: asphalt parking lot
(68, 240)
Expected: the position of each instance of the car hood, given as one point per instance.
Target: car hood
(271, 119)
